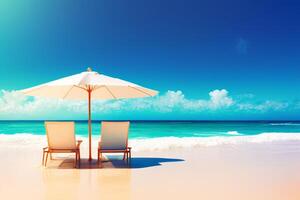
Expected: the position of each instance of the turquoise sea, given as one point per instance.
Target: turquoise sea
(157, 129)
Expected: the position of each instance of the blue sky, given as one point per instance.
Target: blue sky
(248, 48)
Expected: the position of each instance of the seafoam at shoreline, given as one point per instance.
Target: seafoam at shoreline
(156, 144)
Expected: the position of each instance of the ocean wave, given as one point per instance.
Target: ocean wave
(192, 142)
(160, 143)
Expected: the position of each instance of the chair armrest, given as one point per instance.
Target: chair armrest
(78, 143)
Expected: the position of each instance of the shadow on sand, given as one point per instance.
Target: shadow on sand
(143, 162)
(112, 162)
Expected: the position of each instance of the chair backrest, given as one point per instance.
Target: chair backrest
(114, 135)
(61, 135)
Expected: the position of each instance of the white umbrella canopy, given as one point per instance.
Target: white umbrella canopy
(89, 85)
(102, 87)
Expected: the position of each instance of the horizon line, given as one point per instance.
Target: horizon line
(163, 120)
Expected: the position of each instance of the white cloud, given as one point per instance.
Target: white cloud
(12, 102)
(14, 105)
(176, 101)
(220, 99)
(265, 106)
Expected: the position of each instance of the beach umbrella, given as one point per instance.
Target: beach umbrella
(89, 85)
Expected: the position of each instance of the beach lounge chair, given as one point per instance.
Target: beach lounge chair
(61, 139)
(114, 139)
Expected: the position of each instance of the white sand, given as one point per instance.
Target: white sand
(267, 170)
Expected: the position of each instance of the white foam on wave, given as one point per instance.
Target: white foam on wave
(191, 142)
(233, 133)
(153, 144)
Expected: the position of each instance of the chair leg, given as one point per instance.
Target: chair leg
(79, 158)
(43, 159)
(76, 156)
(129, 156)
(124, 155)
(100, 157)
(46, 158)
(51, 156)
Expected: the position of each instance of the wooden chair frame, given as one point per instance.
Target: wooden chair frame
(47, 150)
(126, 151)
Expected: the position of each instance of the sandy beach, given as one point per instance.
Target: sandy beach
(266, 170)
(202, 96)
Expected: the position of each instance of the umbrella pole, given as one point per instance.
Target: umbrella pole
(90, 126)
